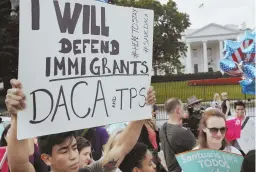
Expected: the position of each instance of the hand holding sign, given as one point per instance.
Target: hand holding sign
(151, 98)
(15, 98)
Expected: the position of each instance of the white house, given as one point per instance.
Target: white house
(205, 46)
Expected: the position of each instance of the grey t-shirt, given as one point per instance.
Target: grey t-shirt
(94, 167)
(180, 140)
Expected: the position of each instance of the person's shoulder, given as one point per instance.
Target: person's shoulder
(101, 128)
(180, 132)
(185, 134)
(184, 130)
(181, 129)
(164, 127)
(195, 148)
(235, 150)
(172, 128)
(232, 149)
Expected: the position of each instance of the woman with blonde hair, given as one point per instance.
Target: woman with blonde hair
(212, 132)
(225, 106)
(216, 103)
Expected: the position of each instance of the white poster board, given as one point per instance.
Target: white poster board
(82, 64)
(247, 139)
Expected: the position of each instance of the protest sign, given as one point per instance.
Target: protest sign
(82, 64)
(234, 129)
(207, 160)
(247, 139)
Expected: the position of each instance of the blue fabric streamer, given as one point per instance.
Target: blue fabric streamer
(248, 86)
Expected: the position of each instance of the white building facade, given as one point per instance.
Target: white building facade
(205, 47)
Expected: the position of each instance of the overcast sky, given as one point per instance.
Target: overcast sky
(218, 11)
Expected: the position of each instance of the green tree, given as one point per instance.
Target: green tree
(9, 42)
(169, 24)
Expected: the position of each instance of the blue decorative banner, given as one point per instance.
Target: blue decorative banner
(239, 60)
(208, 160)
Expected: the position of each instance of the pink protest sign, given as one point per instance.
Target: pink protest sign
(3, 158)
(234, 129)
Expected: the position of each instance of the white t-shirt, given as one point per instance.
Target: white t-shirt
(230, 149)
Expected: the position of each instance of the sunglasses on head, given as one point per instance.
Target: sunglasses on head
(216, 130)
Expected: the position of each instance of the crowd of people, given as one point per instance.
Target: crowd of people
(133, 148)
(195, 110)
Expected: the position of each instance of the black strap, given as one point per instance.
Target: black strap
(165, 133)
(222, 147)
(174, 160)
(245, 121)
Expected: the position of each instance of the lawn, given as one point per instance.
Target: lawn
(183, 91)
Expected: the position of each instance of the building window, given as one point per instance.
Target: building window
(209, 52)
(210, 69)
(195, 53)
(195, 68)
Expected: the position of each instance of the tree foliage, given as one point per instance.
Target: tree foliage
(9, 43)
(169, 24)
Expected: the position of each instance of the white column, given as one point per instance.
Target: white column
(221, 54)
(205, 56)
(221, 48)
(189, 59)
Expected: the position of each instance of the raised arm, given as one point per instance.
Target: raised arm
(18, 150)
(126, 140)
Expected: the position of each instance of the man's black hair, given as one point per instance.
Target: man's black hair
(134, 158)
(239, 103)
(3, 140)
(46, 143)
(82, 143)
